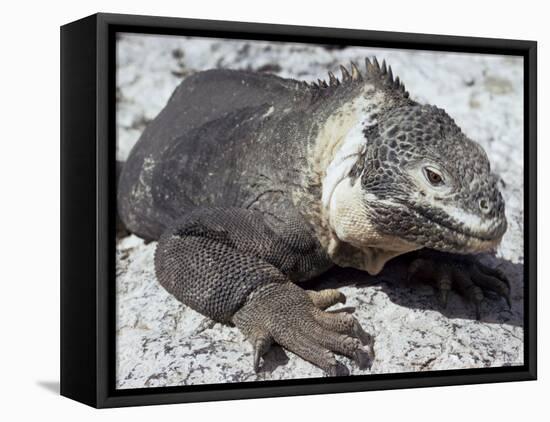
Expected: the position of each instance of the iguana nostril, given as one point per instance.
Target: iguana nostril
(484, 205)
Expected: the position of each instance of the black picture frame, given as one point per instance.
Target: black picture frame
(88, 208)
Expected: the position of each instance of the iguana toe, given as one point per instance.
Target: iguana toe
(469, 278)
(324, 299)
(346, 324)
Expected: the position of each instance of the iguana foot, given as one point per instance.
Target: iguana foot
(471, 279)
(295, 319)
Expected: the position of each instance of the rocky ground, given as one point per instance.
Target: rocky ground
(161, 342)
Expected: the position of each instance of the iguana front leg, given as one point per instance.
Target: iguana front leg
(464, 274)
(234, 266)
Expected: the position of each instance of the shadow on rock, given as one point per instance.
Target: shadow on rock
(274, 358)
(393, 282)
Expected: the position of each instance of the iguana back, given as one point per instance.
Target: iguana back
(201, 150)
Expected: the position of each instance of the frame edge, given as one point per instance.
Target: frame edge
(101, 395)
(78, 211)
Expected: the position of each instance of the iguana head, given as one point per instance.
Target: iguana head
(414, 180)
(425, 181)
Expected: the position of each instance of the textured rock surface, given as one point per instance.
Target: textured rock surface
(161, 342)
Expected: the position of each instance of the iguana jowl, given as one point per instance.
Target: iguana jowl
(252, 183)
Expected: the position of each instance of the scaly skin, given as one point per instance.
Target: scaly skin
(252, 183)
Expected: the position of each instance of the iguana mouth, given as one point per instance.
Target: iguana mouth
(487, 240)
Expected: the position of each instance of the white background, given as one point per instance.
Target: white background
(29, 170)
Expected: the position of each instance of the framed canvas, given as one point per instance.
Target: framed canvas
(253, 210)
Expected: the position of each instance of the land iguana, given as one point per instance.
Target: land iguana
(252, 183)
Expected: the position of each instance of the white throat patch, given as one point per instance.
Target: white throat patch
(353, 145)
(351, 142)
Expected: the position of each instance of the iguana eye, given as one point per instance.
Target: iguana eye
(433, 177)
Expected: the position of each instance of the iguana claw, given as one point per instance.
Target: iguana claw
(443, 297)
(471, 279)
(261, 346)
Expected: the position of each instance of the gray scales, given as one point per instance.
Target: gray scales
(254, 184)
